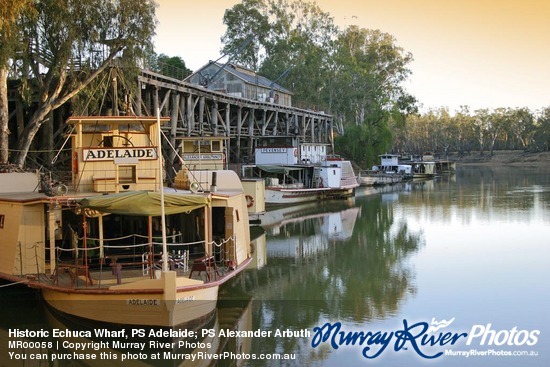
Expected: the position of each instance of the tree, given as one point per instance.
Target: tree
(355, 74)
(301, 42)
(246, 23)
(542, 136)
(70, 43)
(498, 121)
(523, 126)
(173, 66)
(369, 75)
(10, 12)
(280, 38)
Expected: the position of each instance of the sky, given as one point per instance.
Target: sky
(476, 53)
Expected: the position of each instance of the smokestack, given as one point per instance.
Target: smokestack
(213, 187)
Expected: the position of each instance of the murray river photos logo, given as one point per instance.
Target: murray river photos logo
(427, 340)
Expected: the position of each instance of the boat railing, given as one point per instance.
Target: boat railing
(220, 261)
(138, 253)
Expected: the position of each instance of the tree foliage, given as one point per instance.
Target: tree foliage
(10, 12)
(172, 66)
(246, 35)
(68, 44)
(279, 38)
(483, 130)
(356, 74)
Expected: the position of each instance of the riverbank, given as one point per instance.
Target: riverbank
(504, 157)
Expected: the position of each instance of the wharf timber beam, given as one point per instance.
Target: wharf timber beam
(197, 111)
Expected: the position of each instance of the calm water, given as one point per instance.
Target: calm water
(473, 248)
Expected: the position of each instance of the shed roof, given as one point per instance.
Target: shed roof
(246, 75)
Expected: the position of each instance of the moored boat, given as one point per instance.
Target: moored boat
(389, 163)
(117, 247)
(297, 173)
(423, 169)
(375, 177)
(445, 167)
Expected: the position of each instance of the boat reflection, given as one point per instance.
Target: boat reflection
(358, 276)
(79, 339)
(317, 231)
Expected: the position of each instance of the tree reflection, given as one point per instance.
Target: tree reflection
(361, 278)
(483, 191)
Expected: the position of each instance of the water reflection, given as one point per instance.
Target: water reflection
(473, 246)
(340, 262)
(483, 193)
(161, 351)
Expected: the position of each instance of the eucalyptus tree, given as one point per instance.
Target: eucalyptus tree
(441, 131)
(542, 137)
(282, 39)
(302, 44)
(499, 122)
(10, 11)
(248, 29)
(481, 126)
(523, 126)
(69, 43)
(356, 74)
(462, 122)
(172, 66)
(370, 71)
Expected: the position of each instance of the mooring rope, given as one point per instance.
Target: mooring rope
(14, 283)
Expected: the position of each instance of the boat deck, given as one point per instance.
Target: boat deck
(71, 276)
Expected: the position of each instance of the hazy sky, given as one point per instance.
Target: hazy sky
(480, 53)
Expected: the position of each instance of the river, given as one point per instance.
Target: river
(446, 272)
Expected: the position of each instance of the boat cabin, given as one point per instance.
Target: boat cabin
(389, 163)
(389, 159)
(289, 151)
(205, 153)
(115, 153)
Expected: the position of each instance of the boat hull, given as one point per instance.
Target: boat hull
(148, 307)
(282, 196)
(166, 302)
(379, 179)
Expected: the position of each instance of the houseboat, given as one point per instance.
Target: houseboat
(441, 166)
(298, 173)
(389, 171)
(376, 177)
(445, 167)
(423, 169)
(117, 246)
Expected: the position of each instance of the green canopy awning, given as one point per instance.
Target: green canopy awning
(144, 203)
(279, 169)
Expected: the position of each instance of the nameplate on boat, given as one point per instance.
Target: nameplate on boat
(273, 150)
(202, 157)
(104, 154)
(143, 302)
(185, 299)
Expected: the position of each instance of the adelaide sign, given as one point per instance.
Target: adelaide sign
(105, 154)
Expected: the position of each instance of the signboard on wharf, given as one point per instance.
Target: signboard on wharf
(106, 154)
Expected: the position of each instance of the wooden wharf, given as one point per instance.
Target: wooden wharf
(196, 111)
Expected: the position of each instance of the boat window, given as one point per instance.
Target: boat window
(108, 141)
(127, 174)
(95, 128)
(2, 216)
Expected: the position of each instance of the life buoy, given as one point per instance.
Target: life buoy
(249, 201)
(295, 152)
